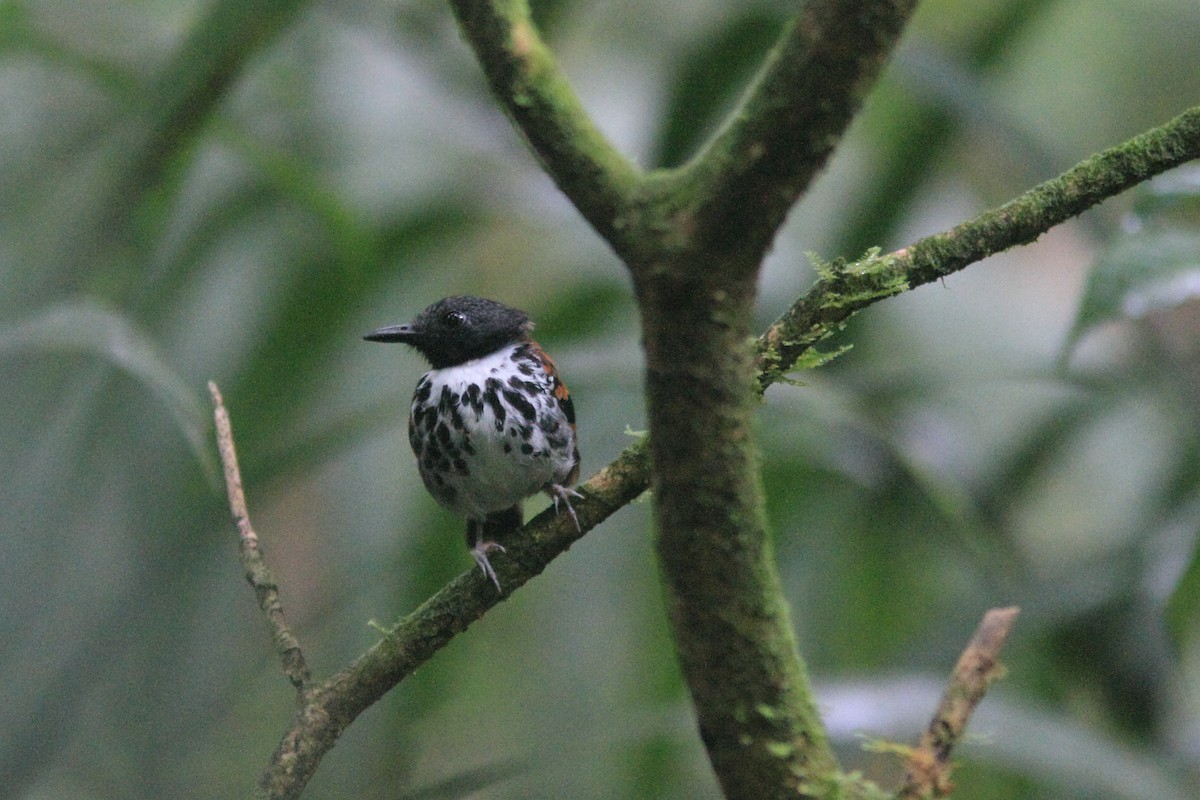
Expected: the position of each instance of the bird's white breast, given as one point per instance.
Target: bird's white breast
(487, 433)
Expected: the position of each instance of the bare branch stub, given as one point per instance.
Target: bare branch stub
(977, 668)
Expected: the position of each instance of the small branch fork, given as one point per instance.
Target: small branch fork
(977, 668)
(325, 710)
(814, 316)
(686, 234)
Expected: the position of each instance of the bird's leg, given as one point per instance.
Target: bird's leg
(558, 493)
(480, 550)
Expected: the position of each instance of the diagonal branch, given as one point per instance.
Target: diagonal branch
(814, 82)
(841, 292)
(327, 709)
(532, 90)
(977, 668)
(257, 574)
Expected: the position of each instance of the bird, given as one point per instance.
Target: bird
(491, 423)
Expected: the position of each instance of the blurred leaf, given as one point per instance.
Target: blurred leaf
(1154, 265)
(1183, 606)
(149, 150)
(468, 782)
(84, 327)
(18, 32)
(1022, 469)
(204, 67)
(582, 310)
(547, 14)
(1064, 752)
(354, 244)
(941, 90)
(709, 80)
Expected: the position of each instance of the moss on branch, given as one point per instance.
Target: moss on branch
(693, 240)
(809, 90)
(533, 91)
(836, 296)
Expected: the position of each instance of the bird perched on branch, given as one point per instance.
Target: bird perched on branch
(491, 423)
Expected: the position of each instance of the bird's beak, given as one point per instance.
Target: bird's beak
(393, 333)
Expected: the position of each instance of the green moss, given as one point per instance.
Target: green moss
(781, 749)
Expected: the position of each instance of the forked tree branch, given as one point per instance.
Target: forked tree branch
(693, 239)
(703, 233)
(328, 708)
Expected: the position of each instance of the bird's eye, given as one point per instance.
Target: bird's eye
(454, 319)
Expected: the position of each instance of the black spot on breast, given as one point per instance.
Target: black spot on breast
(531, 388)
(507, 447)
(424, 387)
(525, 368)
(491, 396)
(448, 405)
(460, 467)
(527, 448)
(443, 433)
(467, 447)
(472, 398)
(520, 403)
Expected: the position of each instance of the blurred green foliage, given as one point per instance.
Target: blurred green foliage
(237, 191)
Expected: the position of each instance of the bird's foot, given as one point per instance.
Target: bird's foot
(563, 494)
(480, 552)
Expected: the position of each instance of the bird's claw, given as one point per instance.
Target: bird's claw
(480, 552)
(564, 493)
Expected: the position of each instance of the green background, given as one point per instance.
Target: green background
(238, 191)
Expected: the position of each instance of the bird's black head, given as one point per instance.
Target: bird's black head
(459, 329)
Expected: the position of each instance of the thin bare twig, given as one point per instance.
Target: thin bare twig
(978, 666)
(257, 574)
